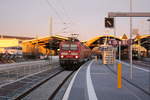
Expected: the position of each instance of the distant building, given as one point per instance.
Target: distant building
(15, 37)
(11, 41)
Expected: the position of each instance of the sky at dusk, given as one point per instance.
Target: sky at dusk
(84, 17)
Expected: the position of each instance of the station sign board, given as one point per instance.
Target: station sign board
(128, 14)
(117, 43)
(113, 42)
(109, 22)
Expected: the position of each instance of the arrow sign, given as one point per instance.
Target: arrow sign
(109, 22)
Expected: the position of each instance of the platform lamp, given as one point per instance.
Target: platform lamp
(147, 51)
(149, 28)
(50, 34)
(131, 66)
(149, 24)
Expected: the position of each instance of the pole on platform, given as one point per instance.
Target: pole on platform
(114, 47)
(120, 51)
(37, 46)
(131, 66)
(119, 75)
(139, 50)
(149, 24)
(50, 34)
(147, 50)
(96, 59)
(119, 71)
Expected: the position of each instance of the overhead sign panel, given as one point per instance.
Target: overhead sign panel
(109, 22)
(124, 36)
(128, 14)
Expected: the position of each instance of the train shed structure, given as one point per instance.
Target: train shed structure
(42, 46)
(48, 45)
(143, 41)
(141, 44)
(99, 40)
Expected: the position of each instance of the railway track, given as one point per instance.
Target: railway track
(10, 73)
(28, 93)
(19, 88)
(36, 86)
(52, 96)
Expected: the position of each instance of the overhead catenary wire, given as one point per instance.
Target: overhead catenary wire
(55, 11)
(61, 14)
(68, 20)
(68, 23)
(60, 8)
(65, 12)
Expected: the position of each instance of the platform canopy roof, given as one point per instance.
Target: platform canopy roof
(99, 39)
(52, 41)
(144, 41)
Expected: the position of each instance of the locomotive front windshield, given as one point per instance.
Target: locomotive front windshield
(73, 47)
(69, 47)
(65, 47)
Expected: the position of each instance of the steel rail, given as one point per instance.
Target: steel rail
(19, 97)
(60, 86)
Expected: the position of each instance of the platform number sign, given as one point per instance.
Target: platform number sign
(109, 22)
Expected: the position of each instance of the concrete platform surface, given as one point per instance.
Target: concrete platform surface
(95, 81)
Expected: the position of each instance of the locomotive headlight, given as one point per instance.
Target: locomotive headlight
(62, 56)
(76, 57)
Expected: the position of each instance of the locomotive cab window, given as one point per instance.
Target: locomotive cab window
(73, 47)
(65, 47)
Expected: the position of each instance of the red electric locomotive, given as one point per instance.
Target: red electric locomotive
(73, 52)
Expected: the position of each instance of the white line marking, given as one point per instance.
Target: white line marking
(100, 73)
(135, 66)
(90, 88)
(144, 63)
(142, 69)
(67, 93)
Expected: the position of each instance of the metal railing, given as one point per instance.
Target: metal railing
(10, 73)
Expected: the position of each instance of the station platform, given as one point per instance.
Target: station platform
(96, 81)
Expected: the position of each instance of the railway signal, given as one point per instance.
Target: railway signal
(109, 22)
